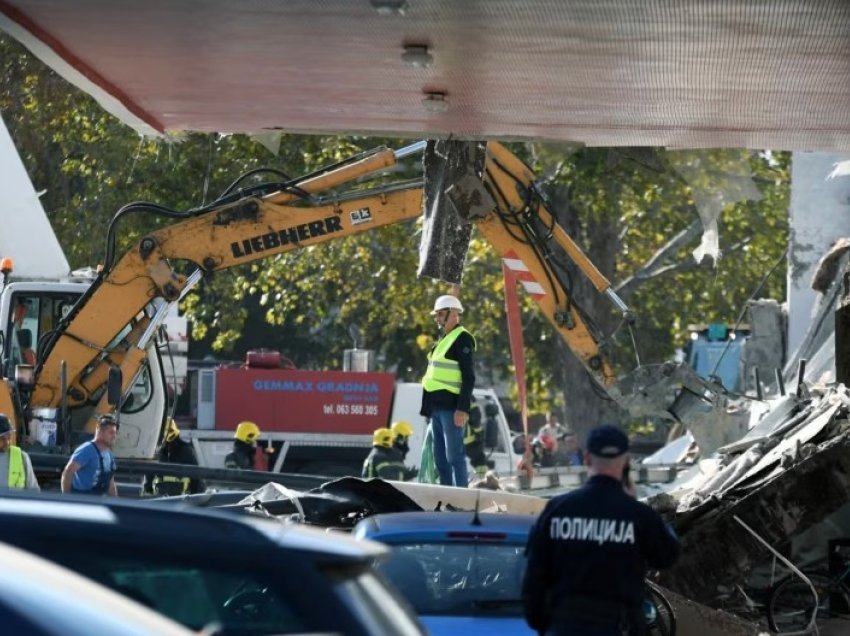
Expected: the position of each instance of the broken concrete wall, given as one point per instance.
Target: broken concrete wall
(717, 550)
(819, 215)
(765, 348)
(842, 332)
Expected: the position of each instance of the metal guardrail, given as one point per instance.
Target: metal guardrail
(568, 477)
(49, 466)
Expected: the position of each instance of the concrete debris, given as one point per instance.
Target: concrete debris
(766, 345)
(695, 619)
(780, 465)
(779, 502)
(830, 265)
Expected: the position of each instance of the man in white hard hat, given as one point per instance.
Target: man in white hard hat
(447, 390)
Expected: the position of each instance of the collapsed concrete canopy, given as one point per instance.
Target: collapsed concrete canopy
(601, 72)
(786, 478)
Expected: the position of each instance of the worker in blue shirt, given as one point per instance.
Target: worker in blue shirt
(590, 549)
(91, 469)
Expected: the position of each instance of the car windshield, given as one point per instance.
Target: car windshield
(458, 578)
(237, 602)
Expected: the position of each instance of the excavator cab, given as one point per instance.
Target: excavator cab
(30, 313)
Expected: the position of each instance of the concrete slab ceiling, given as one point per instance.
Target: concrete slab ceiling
(681, 73)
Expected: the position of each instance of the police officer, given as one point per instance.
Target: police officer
(383, 461)
(590, 549)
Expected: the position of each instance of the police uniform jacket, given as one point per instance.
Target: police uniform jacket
(596, 542)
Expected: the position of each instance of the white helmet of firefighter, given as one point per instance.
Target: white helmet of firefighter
(447, 302)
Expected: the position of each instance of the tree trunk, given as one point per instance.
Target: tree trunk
(585, 404)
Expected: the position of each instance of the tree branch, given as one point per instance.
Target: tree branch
(653, 266)
(656, 270)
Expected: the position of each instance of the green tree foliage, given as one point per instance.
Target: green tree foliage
(623, 205)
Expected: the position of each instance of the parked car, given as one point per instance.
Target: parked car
(461, 572)
(40, 598)
(206, 569)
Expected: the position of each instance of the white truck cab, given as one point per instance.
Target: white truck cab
(498, 439)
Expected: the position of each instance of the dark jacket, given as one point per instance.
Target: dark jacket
(241, 457)
(384, 463)
(176, 451)
(461, 350)
(593, 544)
(473, 442)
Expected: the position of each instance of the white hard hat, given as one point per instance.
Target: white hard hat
(447, 302)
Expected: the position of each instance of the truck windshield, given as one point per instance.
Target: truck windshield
(31, 317)
(35, 315)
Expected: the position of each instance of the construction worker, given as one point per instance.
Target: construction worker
(244, 444)
(91, 469)
(402, 431)
(15, 465)
(447, 391)
(174, 450)
(383, 461)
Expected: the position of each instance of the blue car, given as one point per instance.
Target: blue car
(461, 572)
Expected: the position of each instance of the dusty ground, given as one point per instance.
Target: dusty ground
(835, 627)
(693, 619)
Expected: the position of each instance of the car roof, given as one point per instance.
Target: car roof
(436, 526)
(131, 520)
(59, 601)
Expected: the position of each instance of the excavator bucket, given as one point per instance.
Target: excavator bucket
(454, 193)
(672, 391)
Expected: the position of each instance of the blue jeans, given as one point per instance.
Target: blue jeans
(449, 455)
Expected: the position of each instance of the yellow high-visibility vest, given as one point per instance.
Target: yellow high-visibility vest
(17, 471)
(443, 374)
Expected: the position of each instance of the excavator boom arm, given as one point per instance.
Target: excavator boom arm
(235, 234)
(109, 326)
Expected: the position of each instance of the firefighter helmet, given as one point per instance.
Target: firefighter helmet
(171, 431)
(447, 302)
(402, 428)
(247, 432)
(382, 437)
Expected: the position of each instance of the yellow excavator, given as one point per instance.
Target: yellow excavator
(97, 352)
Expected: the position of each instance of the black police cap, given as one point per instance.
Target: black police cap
(607, 441)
